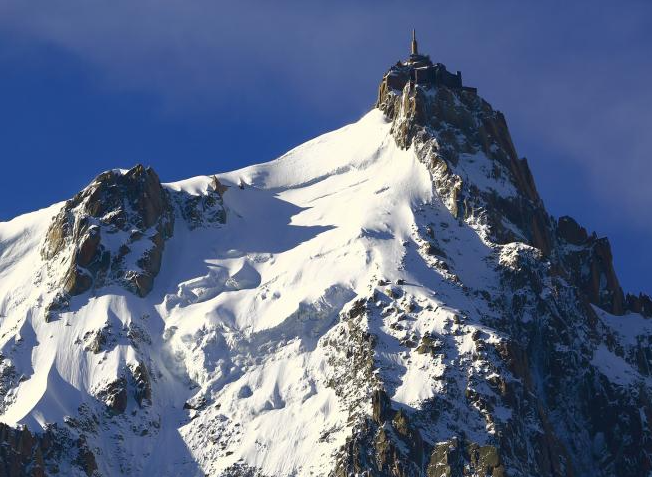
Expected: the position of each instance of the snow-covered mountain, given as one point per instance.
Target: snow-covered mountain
(390, 298)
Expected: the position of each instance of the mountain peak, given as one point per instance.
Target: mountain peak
(389, 299)
(467, 146)
(419, 70)
(476, 170)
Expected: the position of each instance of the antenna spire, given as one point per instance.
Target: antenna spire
(415, 49)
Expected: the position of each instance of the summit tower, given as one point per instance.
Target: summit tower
(414, 50)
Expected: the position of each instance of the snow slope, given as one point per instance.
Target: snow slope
(248, 335)
(237, 310)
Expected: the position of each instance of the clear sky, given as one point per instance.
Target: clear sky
(197, 87)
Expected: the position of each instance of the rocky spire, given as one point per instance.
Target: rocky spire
(415, 50)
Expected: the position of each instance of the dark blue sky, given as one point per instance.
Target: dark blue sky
(204, 86)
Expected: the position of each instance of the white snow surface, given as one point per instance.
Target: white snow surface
(226, 320)
(240, 313)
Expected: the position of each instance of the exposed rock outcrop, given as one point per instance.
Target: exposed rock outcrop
(447, 128)
(142, 384)
(115, 395)
(458, 458)
(113, 231)
(24, 454)
(135, 383)
(9, 379)
(552, 273)
(20, 453)
(589, 262)
(204, 209)
(639, 304)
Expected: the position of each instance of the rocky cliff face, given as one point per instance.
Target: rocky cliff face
(113, 231)
(447, 126)
(52, 452)
(539, 381)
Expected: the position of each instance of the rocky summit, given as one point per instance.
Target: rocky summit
(389, 299)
